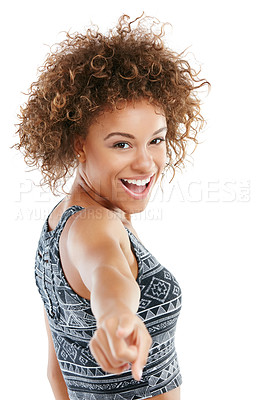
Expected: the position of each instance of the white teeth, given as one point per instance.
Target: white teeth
(138, 182)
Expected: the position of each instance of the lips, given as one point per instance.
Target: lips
(137, 189)
(133, 187)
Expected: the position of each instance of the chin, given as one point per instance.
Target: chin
(134, 208)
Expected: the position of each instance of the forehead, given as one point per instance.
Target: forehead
(132, 118)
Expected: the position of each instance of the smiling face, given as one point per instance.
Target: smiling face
(124, 154)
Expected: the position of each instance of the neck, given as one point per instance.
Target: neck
(82, 192)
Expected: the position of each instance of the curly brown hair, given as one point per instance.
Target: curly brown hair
(88, 72)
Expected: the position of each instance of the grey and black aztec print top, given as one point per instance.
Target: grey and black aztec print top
(73, 324)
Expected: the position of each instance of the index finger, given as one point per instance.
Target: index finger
(144, 343)
(120, 349)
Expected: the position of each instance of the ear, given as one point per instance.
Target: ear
(79, 143)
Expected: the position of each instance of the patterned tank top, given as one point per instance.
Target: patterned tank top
(73, 324)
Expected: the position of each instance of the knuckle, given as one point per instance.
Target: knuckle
(117, 364)
(105, 368)
(118, 354)
(109, 324)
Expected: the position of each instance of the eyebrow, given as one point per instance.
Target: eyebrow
(128, 135)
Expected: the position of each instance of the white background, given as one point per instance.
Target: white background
(208, 226)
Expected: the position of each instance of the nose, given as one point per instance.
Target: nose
(143, 161)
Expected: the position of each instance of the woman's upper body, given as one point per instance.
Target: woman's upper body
(117, 109)
(98, 260)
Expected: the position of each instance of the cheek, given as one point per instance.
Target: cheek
(96, 162)
(162, 158)
(103, 169)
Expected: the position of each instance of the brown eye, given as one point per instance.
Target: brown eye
(157, 141)
(121, 145)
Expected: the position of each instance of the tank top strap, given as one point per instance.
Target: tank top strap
(139, 250)
(66, 215)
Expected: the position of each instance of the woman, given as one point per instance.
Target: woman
(117, 109)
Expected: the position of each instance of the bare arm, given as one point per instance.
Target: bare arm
(121, 337)
(54, 373)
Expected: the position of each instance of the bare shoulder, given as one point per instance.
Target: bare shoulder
(97, 237)
(97, 224)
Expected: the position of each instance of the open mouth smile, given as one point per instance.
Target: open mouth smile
(137, 188)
